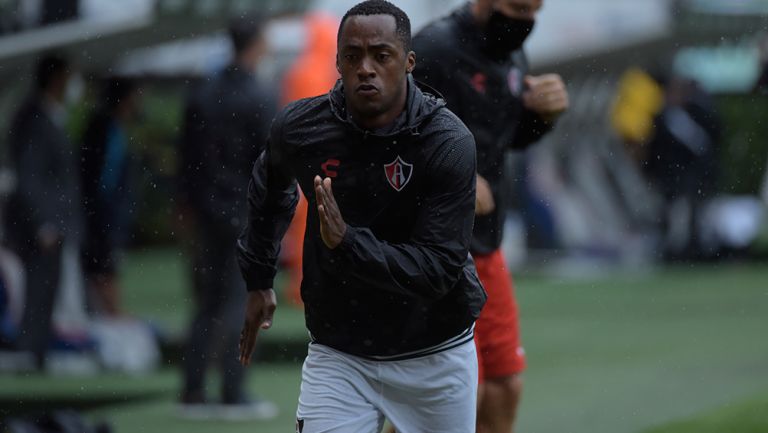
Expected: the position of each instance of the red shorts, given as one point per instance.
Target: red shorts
(497, 332)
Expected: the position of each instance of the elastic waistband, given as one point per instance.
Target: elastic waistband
(466, 336)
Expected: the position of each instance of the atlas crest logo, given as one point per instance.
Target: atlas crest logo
(398, 173)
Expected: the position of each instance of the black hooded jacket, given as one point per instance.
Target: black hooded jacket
(486, 94)
(402, 281)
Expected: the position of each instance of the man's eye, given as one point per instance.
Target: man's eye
(350, 57)
(383, 56)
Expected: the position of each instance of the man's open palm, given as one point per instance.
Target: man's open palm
(332, 225)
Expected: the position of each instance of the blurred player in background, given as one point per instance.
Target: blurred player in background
(106, 174)
(475, 58)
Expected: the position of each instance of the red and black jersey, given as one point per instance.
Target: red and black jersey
(486, 94)
(402, 280)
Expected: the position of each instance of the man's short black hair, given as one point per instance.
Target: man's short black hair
(49, 67)
(382, 7)
(244, 30)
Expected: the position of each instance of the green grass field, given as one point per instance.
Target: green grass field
(677, 350)
(744, 416)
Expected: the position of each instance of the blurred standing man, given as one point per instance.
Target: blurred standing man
(44, 213)
(474, 57)
(226, 122)
(390, 292)
(106, 176)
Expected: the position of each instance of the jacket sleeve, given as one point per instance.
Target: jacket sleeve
(530, 130)
(430, 264)
(531, 127)
(272, 198)
(34, 157)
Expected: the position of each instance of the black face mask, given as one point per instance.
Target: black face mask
(505, 35)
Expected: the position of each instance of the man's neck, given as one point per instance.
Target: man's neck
(382, 120)
(378, 122)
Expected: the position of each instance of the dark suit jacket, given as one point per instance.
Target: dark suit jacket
(47, 191)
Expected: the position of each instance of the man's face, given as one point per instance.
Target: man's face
(373, 65)
(521, 9)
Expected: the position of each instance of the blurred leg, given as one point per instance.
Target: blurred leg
(339, 394)
(233, 313)
(434, 393)
(205, 330)
(42, 269)
(498, 337)
(104, 294)
(500, 398)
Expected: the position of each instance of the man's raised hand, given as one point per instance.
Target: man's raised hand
(332, 225)
(546, 95)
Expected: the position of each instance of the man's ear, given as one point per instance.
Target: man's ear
(338, 66)
(410, 62)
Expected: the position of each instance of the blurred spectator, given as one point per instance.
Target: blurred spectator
(639, 99)
(682, 162)
(226, 123)
(44, 213)
(106, 176)
(312, 74)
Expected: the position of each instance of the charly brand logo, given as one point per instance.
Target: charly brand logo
(398, 173)
(330, 167)
(478, 82)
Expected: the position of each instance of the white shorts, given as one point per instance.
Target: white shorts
(341, 393)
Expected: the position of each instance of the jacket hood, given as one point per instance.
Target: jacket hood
(422, 103)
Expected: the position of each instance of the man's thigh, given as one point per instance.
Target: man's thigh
(436, 393)
(336, 394)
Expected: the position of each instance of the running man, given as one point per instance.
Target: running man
(390, 291)
(474, 57)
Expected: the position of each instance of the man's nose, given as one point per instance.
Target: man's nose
(365, 69)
